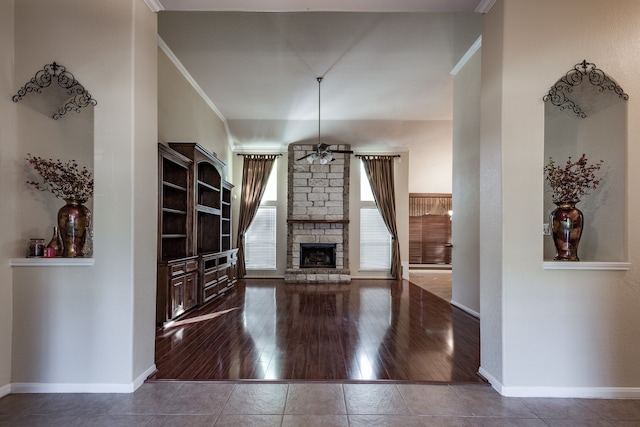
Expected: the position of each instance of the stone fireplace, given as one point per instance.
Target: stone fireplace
(317, 218)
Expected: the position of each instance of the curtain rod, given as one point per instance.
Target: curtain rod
(257, 154)
(377, 155)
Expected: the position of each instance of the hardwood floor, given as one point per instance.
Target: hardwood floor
(367, 330)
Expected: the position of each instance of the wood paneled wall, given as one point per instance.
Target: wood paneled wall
(429, 204)
(429, 228)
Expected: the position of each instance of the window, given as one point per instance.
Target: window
(271, 192)
(375, 240)
(366, 195)
(260, 239)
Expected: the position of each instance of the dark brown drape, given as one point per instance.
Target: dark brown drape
(379, 171)
(255, 174)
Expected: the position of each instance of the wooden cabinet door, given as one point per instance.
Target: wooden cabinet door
(184, 293)
(436, 239)
(415, 240)
(177, 296)
(190, 290)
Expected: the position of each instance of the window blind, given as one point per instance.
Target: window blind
(260, 240)
(375, 241)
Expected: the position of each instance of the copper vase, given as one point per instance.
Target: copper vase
(566, 228)
(74, 222)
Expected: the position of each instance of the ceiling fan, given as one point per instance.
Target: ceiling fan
(321, 150)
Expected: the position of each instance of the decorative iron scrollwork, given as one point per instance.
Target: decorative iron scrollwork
(79, 96)
(558, 93)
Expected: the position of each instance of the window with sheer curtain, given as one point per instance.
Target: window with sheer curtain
(260, 238)
(375, 240)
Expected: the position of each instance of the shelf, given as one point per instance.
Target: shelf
(174, 211)
(208, 210)
(586, 265)
(51, 262)
(209, 186)
(174, 186)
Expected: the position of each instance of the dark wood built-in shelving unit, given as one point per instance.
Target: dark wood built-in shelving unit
(196, 261)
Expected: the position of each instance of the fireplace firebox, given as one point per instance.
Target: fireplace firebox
(317, 255)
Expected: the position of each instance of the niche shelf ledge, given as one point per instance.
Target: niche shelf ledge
(586, 265)
(52, 262)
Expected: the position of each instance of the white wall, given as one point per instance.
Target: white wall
(145, 177)
(465, 235)
(430, 165)
(184, 116)
(491, 230)
(8, 193)
(90, 328)
(563, 332)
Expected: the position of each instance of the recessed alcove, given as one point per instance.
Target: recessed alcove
(586, 113)
(56, 121)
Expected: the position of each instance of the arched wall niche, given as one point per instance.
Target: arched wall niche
(47, 127)
(586, 113)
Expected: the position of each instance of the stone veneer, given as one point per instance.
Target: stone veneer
(317, 212)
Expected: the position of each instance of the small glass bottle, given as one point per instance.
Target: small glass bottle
(36, 247)
(56, 242)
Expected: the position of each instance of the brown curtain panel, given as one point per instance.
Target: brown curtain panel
(379, 171)
(255, 174)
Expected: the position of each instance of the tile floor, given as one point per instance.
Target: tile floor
(436, 281)
(245, 404)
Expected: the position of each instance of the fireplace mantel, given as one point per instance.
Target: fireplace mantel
(317, 221)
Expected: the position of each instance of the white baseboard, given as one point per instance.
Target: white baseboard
(574, 392)
(81, 387)
(466, 309)
(143, 377)
(563, 392)
(5, 390)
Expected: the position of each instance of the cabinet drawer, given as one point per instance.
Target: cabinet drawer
(210, 277)
(177, 268)
(210, 292)
(181, 267)
(191, 265)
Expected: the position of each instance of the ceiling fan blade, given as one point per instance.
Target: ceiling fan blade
(308, 155)
(342, 151)
(322, 146)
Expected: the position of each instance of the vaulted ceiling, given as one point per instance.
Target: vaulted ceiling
(386, 68)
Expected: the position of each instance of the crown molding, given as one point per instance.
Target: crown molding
(485, 6)
(154, 5)
(467, 56)
(172, 57)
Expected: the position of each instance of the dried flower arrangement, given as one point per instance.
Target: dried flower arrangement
(64, 180)
(572, 181)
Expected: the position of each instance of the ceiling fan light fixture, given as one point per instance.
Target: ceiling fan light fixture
(321, 151)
